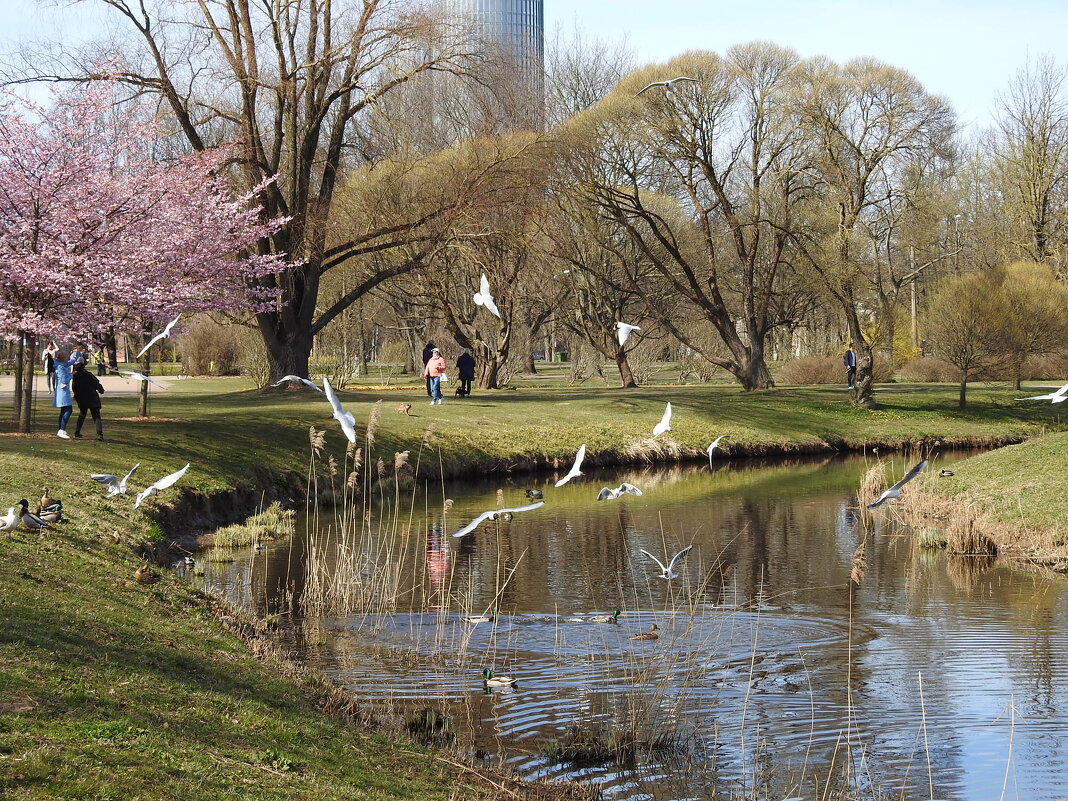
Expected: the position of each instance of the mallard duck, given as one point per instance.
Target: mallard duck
(612, 618)
(146, 575)
(945, 473)
(46, 500)
(487, 618)
(647, 635)
(52, 513)
(497, 681)
(10, 520)
(29, 519)
(535, 495)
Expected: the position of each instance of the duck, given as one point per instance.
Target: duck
(535, 495)
(612, 618)
(945, 473)
(647, 635)
(497, 681)
(52, 513)
(46, 500)
(10, 520)
(29, 519)
(146, 575)
(487, 618)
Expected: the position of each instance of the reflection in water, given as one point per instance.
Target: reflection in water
(802, 633)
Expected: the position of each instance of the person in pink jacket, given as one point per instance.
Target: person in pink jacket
(434, 370)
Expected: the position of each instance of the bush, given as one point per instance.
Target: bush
(208, 348)
(930, 370)
(1045, 368)
(812, 370)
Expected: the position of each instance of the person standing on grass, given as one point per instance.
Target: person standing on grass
(87, 389)
(850, 362)
(428, 351)
(50, 366)
(62, 398)
(466, 367)
(434, 370)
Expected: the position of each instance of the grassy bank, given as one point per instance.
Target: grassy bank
(114, 689)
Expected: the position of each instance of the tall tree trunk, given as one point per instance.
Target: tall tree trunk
(142, 393)
(962, 398)
(20, 356)
(24, 381)
(864, 382)
(625, 373)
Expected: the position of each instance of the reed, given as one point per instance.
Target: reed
(272, 523)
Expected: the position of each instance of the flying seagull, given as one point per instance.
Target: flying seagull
(135, 376)
(304, 381)
(607, 494)
(162, 484)
(714, 445)
(347, 421)
(623, 331)
(114, 485)
(574, 471)
(669, 571)
(664, 424)
(484, 298)
(895, 491)
(166, 332)
(493, 515)
(1060, 396)
(667, 84)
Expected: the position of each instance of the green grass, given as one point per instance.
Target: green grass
(112, 689)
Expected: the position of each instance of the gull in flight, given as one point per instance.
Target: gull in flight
(623, 331)
(664, 424)
(895, 491)
(348, 422)
(484, 298)
(136, 376)
(669, 571)
(607, 494)
(304, 381)
(714, 445)
(114, 485)
(494, 515)
(574, 471)
(666, 84)
(166, 332)
(162, 484)
(1060, 396)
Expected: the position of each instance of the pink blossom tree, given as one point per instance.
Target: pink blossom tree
(96, 232)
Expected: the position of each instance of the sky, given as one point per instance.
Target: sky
(966, 51)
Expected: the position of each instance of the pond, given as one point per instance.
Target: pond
(804, 644)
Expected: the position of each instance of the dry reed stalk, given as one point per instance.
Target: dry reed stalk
(372, 423)
(872, 484)
(860, 561)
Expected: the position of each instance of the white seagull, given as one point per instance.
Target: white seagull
(484, 298)
(667, 84)
(1060, 396)
(304, 381)
(574, 471)
(669, 571)
(348, 422)
(714, 445)
(162, 484)
(137, 377)
(166, 332)
(607, 494)
(114, 485)
(895, 491)
(623, 331)
(494, 515)
(664, 424)
(10, 520)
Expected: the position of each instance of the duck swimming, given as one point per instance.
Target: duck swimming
(535, 495)
(612, 618)
(496, 681)
(647, 635)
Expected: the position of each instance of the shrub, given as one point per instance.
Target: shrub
(930, 369)
(812, 370)
(209, 348)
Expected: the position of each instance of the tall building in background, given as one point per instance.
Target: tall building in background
(514, 31)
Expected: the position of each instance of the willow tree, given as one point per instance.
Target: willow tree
(703, 175)
(296, 85)
(869, 125)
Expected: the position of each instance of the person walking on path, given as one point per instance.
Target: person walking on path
(87, 389)
(62, 398)
(428, 351)
(49, 359)
(466, 366)
(850, 362)
(434, 370)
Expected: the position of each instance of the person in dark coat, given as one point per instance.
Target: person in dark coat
(850, 362)
(466, 365)
(87, 389)
(428, 351)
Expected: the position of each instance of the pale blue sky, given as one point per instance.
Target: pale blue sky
(967, 51)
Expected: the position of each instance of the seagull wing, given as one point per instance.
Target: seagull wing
(166, 332)
(127, 477)
(683, 78)
(675, 559)
(911, 474)
(606, 494)
(487, 515)
(574, 471)
(880, 500)
(108, 480)
(144, 494)
(302, 380)
(169, 481)
(664, 424)
(347, 421)
(629, 488)
(650, 86)
(661, 564)
(526, 508)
